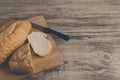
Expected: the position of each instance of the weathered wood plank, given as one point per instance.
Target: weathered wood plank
(94, 27)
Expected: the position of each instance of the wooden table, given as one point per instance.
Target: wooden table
(93, 53)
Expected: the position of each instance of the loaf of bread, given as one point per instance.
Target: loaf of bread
(13, 37)
(40, 43)
(21, 61)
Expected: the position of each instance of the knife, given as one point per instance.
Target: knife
(48, 30)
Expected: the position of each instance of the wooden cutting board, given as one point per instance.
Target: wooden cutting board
(53, 59)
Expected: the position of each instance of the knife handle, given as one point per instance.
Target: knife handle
(63, 36)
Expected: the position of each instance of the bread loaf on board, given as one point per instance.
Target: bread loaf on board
(13, 37)
(21, 60)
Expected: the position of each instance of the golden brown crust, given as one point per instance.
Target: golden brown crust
(5, 25)
(12, 38)
(21, 60)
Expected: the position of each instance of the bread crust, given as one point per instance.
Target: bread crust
(5, 25)
(21, 61)
(13, 37)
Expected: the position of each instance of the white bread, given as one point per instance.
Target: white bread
(21, 61)
(13, 37)
(40, 43)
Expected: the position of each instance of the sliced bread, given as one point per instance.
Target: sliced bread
(40, 43)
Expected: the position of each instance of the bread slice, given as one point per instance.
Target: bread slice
(13, 37)
(21, 61)
(40, 43)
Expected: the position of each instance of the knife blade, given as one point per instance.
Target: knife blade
(48, 30)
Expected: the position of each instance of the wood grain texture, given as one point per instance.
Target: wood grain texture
(93, 53)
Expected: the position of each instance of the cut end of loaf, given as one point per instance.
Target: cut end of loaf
(40, 44)
(21, 61)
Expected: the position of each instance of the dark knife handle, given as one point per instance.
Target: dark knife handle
(48, 30)
(63, 36)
